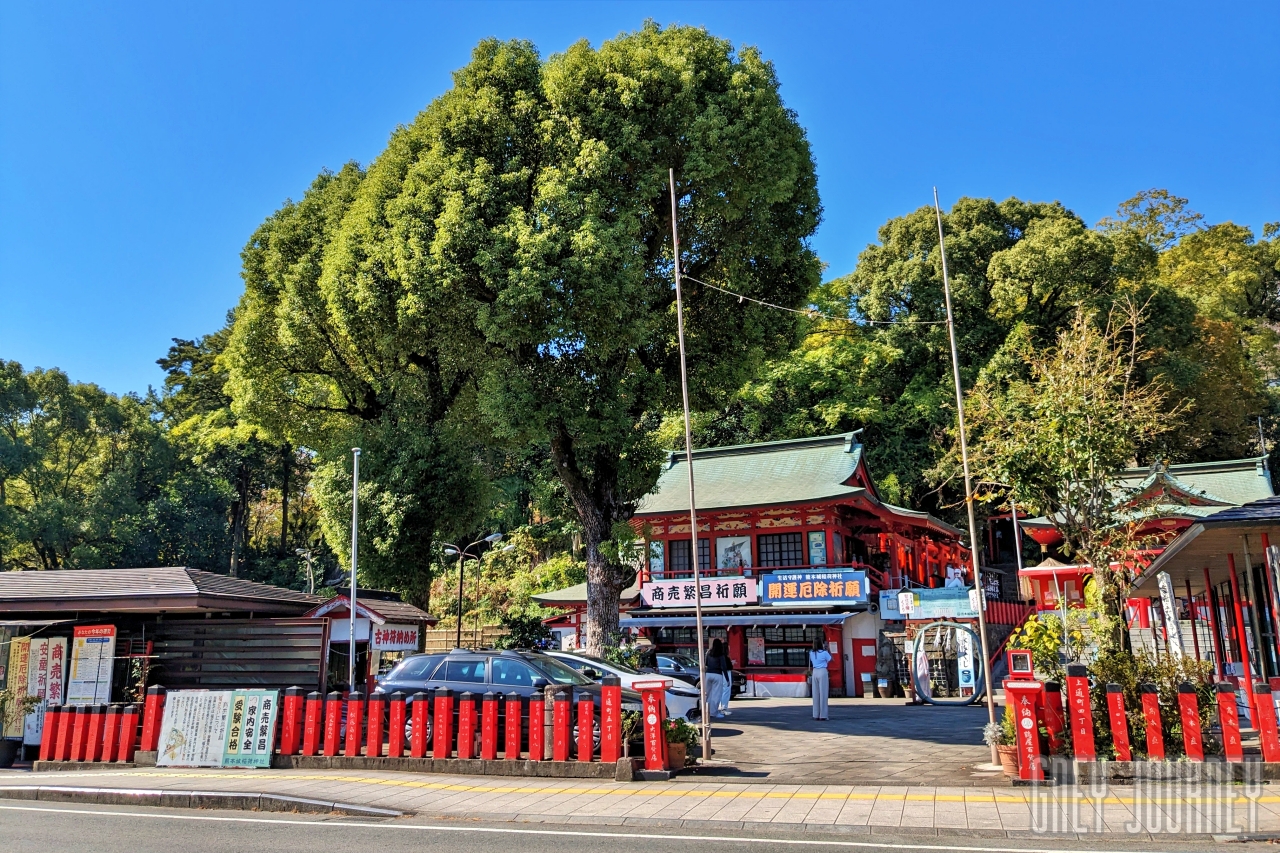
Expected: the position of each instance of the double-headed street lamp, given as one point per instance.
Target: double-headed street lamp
(462, 553)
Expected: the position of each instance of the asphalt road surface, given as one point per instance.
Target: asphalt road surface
(51, 828)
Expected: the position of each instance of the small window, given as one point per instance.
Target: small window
(511, 673)
(471, 671)
(678, 551)
(781, 549)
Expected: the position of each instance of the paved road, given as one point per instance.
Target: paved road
(35, 828)
(866, 742)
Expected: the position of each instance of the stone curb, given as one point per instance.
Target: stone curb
(240, 801)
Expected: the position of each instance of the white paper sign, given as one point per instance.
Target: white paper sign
(93, 653)
(194, 729)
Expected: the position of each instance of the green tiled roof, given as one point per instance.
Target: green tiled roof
(577, 594)
(1232, 483)
(745, 475)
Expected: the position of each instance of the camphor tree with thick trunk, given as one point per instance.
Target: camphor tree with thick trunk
(506, 264)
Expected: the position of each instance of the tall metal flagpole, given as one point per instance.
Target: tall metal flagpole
(688, 461)
(355, 517)
(968, 482)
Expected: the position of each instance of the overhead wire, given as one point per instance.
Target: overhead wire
(811, 313)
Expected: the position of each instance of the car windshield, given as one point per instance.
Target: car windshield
(685, 660)
(607, 665)
(559, 673)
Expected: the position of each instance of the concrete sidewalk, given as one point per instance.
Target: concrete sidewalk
(1186, 814)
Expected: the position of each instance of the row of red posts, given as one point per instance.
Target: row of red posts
(1042, 702)
(102, 733)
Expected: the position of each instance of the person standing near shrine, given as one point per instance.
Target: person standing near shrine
(819, 679)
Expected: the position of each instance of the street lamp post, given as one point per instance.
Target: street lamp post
(355, 518)
(462, 554)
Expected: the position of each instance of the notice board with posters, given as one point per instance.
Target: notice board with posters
(93, 654)
(218, 728)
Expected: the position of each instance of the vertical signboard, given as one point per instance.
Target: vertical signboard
(93, 651)
(218, 728)
(19, 660)
(44, 681)
(251, 735)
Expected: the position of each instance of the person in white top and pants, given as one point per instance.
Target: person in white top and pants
(819, 679)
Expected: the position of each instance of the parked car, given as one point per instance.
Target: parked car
(682, 697)
(498, 671)
(685, 667)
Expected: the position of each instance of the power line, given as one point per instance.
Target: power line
(812, 313)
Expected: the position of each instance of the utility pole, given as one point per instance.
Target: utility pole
(968, 482)
(688, 461)
(355, 518)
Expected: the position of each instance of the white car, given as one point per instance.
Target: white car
(682, 697)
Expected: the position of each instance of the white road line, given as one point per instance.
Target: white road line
(564, 832)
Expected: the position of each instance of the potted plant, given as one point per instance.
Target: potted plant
(680, 737)
(14, 706)
(1003, 737)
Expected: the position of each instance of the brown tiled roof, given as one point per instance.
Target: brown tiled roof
(143, 590)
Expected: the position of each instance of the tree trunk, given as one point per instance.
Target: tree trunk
(284, 501)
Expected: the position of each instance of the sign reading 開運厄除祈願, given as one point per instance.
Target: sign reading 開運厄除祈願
(831, 586)
(715, 592)
(218, 728)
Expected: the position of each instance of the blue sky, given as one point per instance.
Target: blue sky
(141, 144)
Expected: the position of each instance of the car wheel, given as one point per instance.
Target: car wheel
(595, 735)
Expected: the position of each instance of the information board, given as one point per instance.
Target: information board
(818, 586)
(93, 653)
(218, 728)
(45, 670)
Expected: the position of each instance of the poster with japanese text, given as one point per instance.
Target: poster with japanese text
(218, 728)
(19, 652)
(45, 667)
(252, 730)
(93, 653)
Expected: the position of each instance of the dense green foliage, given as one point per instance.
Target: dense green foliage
(486, 310)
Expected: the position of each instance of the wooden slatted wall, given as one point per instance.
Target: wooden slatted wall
(223, 653)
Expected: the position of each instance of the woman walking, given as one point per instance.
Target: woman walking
(719, 671)
(819, 679)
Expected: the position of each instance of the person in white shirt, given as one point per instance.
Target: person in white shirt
(819, 679)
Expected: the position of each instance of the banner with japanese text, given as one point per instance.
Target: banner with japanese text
(218, 728)
(820, 586)
(715, 592)
(395, 638)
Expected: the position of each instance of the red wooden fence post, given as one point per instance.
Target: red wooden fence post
(1025, 699)
(395, 726)
(128, 733)
(466, 725)
(313, 723)
(420, 708)
(1151, 717)
(93, 736)
(1119, 722)
(1267, 733)
(152, 715)
(1189, 714)
(373, 725)
(442, 722)
(586, 727)
(66, 721)
(610, 719)
(560, 722)
(332, 722)
(291, 714)
(1229, 718)
(79, 727)
(110, 733)
(1054, 715)
(49, 736)
(489, 726)
(1081, 710)
(513, 717)
(355, 723)
(537, 732)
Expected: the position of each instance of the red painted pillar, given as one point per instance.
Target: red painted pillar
(1189, 715)
(537, 730)
(373, 725)
(66, 722)
(93, 735)
(49, 735)
(78, 730)
(467, 725)
(442, 724)
(655, 712)
(1191, 611)
(1229, 718)
(152, 714)
(1025, 698)
(611, 719)
(1151, 717)
(1054, 715)
(110, 732)
(355, 723)
(513, 715)
(1081, 711)
(332, 722)
(1219, 663)
(128, 733)
(586, 727)
(313, 722)
(1119, 722)
(291, 714)
(395, 725)
(1242, 633)
(1272, 592)
(418, 731)
(1266, 722)
(489, 726)
(561, 735)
